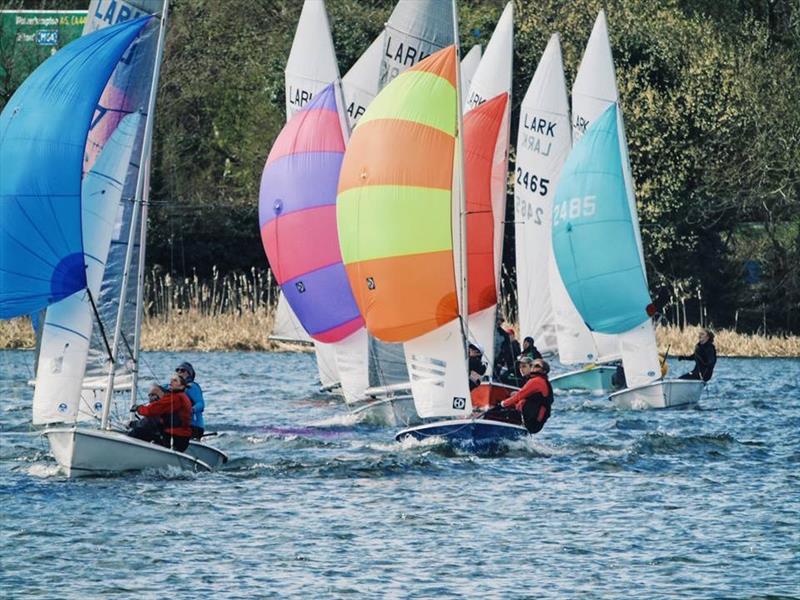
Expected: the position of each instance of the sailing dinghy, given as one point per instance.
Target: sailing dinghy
(487, 118)
(546, 311)
(60, 261)
(594, 203)
(397, 215)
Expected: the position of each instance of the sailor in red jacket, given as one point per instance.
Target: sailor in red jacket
(535, 398)
(168, 417)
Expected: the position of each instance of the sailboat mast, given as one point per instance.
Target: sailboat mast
(147, 151)
(462, 194)
(138, 202)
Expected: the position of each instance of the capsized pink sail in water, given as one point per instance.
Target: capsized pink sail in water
(297, 214)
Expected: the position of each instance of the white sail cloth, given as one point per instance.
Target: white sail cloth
(312, 60)
(438, 372)
(493, 77)
(68, 324)
(415, 30)
(543, 143)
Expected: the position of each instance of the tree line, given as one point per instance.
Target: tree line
(709, 91)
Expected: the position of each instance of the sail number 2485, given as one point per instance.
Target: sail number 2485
(574, 208)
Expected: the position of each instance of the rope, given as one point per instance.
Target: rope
(100, 324)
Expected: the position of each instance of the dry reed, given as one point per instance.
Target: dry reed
(236, 312)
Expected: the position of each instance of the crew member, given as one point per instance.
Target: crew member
(168, 417)
(476, 366)
(704, 357)
(535, 399)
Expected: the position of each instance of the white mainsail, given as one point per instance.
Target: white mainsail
(595, 86)
(68, 324)
(469, 64)
(312, 60)
(415, 30)
(360, 83)
(127, 91)
(493, 77)
(594, 90)
(543, 143)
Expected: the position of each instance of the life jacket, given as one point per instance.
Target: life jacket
(536, 409)
(175, 411)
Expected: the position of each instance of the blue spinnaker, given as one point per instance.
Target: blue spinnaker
(594, 234)
(43, 132)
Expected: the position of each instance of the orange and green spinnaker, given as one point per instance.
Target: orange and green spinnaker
(394, 206)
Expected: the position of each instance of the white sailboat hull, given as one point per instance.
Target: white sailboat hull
(208, 454)
(81, 452)
(659, 394)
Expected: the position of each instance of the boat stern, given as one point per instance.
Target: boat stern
(669, 393)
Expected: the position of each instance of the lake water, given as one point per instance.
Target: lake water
(700, 503)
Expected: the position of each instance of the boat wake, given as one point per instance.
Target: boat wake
(339, 420)
(43, 470)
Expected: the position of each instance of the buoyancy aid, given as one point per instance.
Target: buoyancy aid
(534, 401)
(175, 410)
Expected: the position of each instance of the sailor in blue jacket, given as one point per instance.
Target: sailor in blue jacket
(195, 393)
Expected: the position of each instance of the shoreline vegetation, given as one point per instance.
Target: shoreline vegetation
(191, 329)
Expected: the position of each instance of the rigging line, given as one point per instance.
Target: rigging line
(128, 346)
(148, 365)
(100, 324)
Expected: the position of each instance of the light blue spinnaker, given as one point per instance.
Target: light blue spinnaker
(594, 234)
(43, 131)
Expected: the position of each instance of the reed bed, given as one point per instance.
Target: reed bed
(681, 341)
(16, 333)
(249, 330)
(236, 312)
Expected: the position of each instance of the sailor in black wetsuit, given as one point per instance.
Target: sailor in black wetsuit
(476, 366)
(704, 357)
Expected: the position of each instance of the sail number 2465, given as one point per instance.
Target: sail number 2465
(574, 208)
(532, 182)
